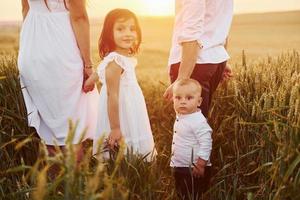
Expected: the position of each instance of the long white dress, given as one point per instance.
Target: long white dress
(134, 121)
(51, 75)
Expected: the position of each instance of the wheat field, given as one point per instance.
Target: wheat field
(255, 117)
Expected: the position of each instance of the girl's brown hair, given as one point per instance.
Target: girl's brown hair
(106, 40)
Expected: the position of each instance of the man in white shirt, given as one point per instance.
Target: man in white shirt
(192, 143)
(198, 45)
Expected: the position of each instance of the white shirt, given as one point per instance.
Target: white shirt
(191, 134)
(205, 21)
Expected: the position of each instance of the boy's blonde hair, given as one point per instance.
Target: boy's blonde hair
(187, 81)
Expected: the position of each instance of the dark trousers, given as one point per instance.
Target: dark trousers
(189, 187)
(209, 77)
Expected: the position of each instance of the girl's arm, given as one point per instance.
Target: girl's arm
(112, 74)
(25, 8)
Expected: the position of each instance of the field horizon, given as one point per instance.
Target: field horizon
(258, 34)
(255, 117)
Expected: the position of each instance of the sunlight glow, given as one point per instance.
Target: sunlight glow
(11, 9)
(158, 7)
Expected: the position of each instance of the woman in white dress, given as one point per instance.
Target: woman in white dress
(54, 56)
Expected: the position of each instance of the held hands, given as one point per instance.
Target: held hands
(87, 72)
(89, 83)
(199, 168)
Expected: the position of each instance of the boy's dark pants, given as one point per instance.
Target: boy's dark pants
(208, 75)
(189, 187)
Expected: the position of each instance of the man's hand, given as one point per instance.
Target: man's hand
(199, 168)
(169, 93)
(227, 73)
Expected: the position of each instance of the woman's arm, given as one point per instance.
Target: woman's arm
(25, 8)
(81, 28)
(112, 75)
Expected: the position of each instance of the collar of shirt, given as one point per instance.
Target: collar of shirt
(195, 115)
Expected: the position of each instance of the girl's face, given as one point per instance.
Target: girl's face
(125, 34)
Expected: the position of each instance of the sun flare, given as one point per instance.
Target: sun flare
(158, 7)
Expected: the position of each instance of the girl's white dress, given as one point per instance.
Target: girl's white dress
(134, 121)
(51, 74)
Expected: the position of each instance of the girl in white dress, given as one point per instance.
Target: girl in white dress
(122, 109)
(54, 54)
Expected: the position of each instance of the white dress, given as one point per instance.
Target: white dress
(134, 121)
(51, 75)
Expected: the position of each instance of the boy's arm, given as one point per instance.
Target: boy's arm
(203, 136)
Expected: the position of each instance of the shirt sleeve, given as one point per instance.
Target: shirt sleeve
(193, 12)
(203, 136)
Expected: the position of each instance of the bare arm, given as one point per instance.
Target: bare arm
(25, 8)
(190, 38)
(188, 59)
(112, 75)
(81, 28)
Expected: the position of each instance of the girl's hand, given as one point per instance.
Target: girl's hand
(114, 138)
(199, 168)
(89, 83)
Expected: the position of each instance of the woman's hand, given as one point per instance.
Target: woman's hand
(114, 138)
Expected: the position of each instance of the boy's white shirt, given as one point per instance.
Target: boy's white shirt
(191, 133)
(205, 21)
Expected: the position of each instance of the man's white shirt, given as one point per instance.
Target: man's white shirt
(205, 21)
(191, 133)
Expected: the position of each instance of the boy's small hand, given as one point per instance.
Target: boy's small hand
(199, 168)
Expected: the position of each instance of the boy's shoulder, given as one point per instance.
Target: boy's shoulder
(198, 120)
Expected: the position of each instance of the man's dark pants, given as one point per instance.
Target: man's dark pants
(208, 75)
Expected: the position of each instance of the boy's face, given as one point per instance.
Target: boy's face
(125, 34)
(186, 99)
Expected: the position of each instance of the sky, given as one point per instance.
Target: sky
(11, 9)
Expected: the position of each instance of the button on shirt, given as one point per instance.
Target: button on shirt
(205, 21)
(191, 134)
